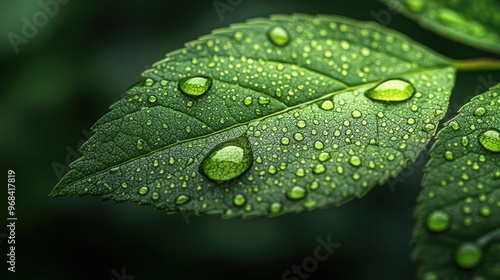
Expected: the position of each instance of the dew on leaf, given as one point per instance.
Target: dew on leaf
(228, 160)
(480, 111)
(438, 221)
(490, 140)
(182, 199)
(327, 105)
(143, 190)
(152, 99)
(195, 86)
(279, 36)
(391, 90)
(296, 193)
(275, 208)
(239, 200)
(415, 5)
(355, 161)
(140, 144)
(468, 255)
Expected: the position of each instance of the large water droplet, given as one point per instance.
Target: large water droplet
(228, 160)
(296, 193)
(279, 36)
(490, 140)
(438, 221)
(391, 90)
(468, 255)
(143, 190)
(195, 86)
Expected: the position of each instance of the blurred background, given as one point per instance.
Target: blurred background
(57, 84)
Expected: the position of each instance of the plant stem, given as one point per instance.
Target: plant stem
(477, 64)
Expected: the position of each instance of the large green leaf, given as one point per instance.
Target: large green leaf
(290, 91)
(457, 235)
(476, 23)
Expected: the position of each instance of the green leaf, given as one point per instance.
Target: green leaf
(268, 117)
(476, 23)
(457, 235)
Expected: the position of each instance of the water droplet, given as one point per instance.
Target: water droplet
(285, 140)
(451, 18)
(149, 82)
(238, 36)
(428, 127)
(140, 144)
(248, 100)
(320, 168)
(152, 99)
(296, 193)
(239, 200)
(454, 125)
(449, 155)
(485, 211)
(318, 145)
(182, 199)
(415, 5)
(279, 36)
(228, 160)
(465, 141)
(301, 124)
(300, 172)
(391, 90)
(355, 161)
(275, 208)
(195, 86)
(263, 100)
(356, 114)
(490, 140)
(438, 221)
(155, 196)
(143, 190)
(480, 111)
(327, 105)
(468, 255)
(114, 170)
(298, 137)
(324, 156)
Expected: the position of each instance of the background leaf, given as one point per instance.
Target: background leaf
(459, 207)
(476, 23)
(294, 87)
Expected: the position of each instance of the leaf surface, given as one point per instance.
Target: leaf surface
(290, 93)
(457, 235)
(476, 23)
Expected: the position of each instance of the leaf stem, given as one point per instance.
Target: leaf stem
(477, 64)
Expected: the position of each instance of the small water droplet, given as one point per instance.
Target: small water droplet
(195, 86)
(263, 100)
(490, 140)
(248, 100)
(320, 168)
(465, 141)
(485, 211)
(114, 170)
(318, 145)
(391, 90)
(454, 125)
(468, 255)
(298, 137)
(149, 82)
(324, 156)
(438, 221)
(155, 196)
(152, 99)
(327, 105)
(279, 36)
(238, 36)
(355, 161)
(296, 193)
(428, 127)
(275, 208)
(140, 144)
(449, 155)
(356, 114)
(285, 140)
(239, 200)
(143, 190)
(480, 111)
(228, 160)
(182, 199)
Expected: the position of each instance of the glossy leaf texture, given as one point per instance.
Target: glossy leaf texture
(476, 23)
(457, 235)
(267, 117)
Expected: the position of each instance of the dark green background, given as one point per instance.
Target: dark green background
(82, 61)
